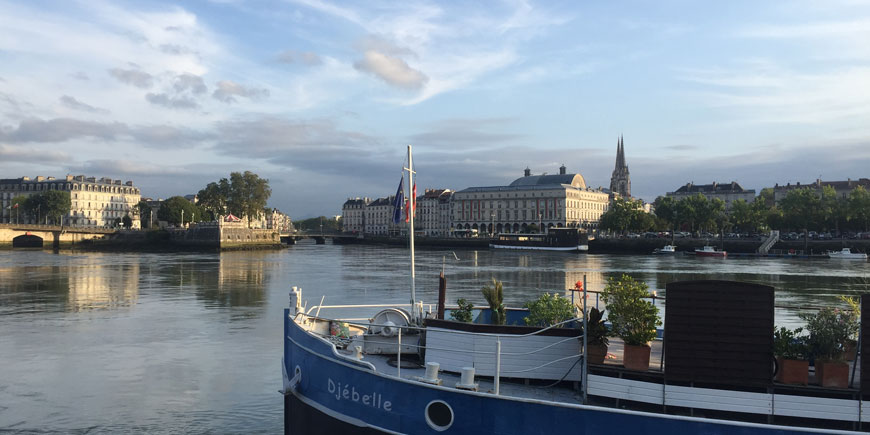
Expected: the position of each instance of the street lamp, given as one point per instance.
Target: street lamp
(491, 224)
(540, 223)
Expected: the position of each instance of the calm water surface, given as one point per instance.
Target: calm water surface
(108, 343)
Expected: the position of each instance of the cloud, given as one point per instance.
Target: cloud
(79, 75)
(392, 70)
(65, 129)
(61, 130)
(20, 154)
(191, 82)
(72, 103)
(303, 57)
(468, 133)
(133, 77)
(227, 90)
(176, 49)
(172, 102)
(126, 168)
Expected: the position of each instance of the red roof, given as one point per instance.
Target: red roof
(231, 218)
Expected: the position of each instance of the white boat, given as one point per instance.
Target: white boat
(666, 250)
(847, 254)
(556, 239)
(709, 251)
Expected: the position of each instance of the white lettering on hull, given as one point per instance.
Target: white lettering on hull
(349, 392)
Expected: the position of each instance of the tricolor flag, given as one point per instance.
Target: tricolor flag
(411, 206)
(397, 203)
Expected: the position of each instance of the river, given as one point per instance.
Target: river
(191, 342)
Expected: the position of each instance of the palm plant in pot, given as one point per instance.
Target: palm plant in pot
(790, 349)
(632, 318)
(596, 336)
(830, 329)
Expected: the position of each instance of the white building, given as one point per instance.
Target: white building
(93, 202)
(379, 218)
(433, 213)
(545, 201)
(727, 192)
(353, 213)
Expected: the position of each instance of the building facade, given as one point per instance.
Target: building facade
(727, 192)
(93, 202)
(544, 201)
(379, 218)
(620, 181)
(353, 214)
(843, 188)
(276, 220)
(433, 213)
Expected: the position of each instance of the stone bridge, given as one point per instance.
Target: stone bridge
(37, 236)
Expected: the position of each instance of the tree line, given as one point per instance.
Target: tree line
(47, 207)
(803, 209)
(242, 195)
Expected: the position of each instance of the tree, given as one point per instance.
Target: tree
(56, 204)
(174, 208)
(833, 211)
(19, 204)
(143, 210)
(127, 221)
(248, 194)
(859, 208)
(244, 195)
(743, 215)
(625, 215)
(666, 211)
(213, 199)
(801, 209)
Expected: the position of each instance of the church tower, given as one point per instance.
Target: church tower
(620, 182)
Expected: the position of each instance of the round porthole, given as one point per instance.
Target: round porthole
(439, 415)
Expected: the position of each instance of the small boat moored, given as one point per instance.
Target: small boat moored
(666, 250)
(847, 254)
(709, 251)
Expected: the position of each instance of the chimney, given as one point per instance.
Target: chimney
(527, 172)
(562, 170)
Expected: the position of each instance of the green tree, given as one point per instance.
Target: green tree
(666, 211)
(248, 195)
(19, 208)
(56, 204)
(127, 221)
(625, 215)
(143, 211)
(313, 224)
(213, 199)
(801, 210)
(744, 216)
(833, 211)
(859, 208)
(695, 211)
(174, 208)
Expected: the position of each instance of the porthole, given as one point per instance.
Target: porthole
(439, 415)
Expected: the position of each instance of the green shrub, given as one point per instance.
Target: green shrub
(633, 318)
(789, 344)
(549, 310)
(463, 313)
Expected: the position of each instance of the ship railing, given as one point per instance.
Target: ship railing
(496, 355)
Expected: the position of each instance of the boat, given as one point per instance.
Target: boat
(709, 251)
(666, 250)
(408, 370)
(847, 254)
(555, 239)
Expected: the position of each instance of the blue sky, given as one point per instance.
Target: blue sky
(322, 97)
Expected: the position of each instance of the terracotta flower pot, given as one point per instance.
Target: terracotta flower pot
(636, 357)
(792, 371)
(597, 353)
(832, 374)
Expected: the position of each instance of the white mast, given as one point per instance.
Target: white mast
(411, 204)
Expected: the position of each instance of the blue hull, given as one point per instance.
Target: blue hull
(335, 395)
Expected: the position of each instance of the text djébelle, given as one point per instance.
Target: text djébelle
(349, 392)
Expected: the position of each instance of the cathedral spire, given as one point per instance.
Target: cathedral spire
(620, 182)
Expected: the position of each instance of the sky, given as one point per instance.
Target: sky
(322, 98)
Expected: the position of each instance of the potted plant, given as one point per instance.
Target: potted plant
(596, 337)
(549, 310)
(494, 295)
(632, 318)
(790, 349)
(830, 328)
(463, 313)
(850, 348)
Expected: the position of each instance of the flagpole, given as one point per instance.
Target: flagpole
(411, 205)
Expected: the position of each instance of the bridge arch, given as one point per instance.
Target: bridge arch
(27, 241)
